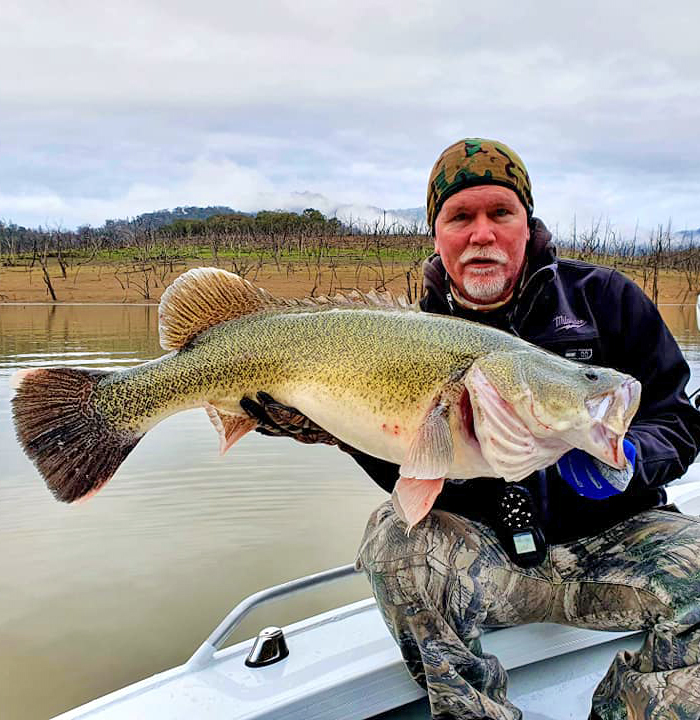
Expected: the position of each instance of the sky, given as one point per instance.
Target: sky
(108, 109)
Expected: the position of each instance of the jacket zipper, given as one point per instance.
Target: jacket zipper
(527, 314)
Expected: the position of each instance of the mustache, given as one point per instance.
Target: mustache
(493, 255)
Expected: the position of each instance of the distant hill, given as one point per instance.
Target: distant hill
(159, 218)
(357, 216)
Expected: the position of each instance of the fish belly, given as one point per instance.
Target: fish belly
(373, 430)
(383, 434)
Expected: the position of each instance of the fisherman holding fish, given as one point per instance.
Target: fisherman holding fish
(580, 543)
(525, 420)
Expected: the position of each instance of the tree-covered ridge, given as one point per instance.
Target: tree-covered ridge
(160, 218)
(266, 221)
(194, 221)
(180, 223)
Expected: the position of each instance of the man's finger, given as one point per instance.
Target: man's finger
(284, 415)
(257, 412)
(264, 398)
(277, 419)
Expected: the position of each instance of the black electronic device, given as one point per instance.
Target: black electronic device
(519, 530)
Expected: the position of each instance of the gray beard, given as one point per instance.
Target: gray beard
(487, 290)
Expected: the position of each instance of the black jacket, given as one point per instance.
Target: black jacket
(594, 315)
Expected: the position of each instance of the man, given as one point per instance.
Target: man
(599, 550)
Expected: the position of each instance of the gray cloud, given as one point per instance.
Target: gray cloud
(114, 109)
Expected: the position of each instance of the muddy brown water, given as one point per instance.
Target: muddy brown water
(95, 596)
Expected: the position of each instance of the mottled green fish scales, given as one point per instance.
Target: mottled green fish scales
(381, 359)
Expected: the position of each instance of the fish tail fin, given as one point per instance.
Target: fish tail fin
(72, 445)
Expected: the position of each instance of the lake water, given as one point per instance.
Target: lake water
(98, 595)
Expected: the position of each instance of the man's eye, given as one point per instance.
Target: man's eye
(502, 211)
(459, 216)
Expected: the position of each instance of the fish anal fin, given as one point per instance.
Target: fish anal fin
(231, 427)
(413, 499)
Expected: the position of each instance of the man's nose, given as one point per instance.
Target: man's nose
(481, 230)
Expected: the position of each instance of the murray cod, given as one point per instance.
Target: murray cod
(440, 396)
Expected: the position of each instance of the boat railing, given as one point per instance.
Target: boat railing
(204, 654)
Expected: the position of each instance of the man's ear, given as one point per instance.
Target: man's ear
(435, 245)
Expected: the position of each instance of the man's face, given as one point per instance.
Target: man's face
(481, 234)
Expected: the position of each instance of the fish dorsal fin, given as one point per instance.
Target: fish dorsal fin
(204, 297)
(384, 299)
(373, 298)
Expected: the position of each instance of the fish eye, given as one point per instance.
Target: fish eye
(591, 375)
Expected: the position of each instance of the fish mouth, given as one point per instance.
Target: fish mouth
(611, 414)
(607, 446)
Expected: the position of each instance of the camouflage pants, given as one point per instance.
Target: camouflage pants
(438, 587)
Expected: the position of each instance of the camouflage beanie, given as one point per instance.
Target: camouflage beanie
(475, 161)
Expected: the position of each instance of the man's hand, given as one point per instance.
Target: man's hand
(593, 479)
(282, 420)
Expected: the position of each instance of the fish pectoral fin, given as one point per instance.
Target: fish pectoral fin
(431, 452)
(231, 427)
(413, 499)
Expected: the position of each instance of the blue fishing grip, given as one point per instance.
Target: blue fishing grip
(583, 473)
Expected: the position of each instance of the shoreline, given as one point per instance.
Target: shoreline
(155, 303)
(108, 284)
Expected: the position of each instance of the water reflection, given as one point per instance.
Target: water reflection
(103, 593)
(98, 595)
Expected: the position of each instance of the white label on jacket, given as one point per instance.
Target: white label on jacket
(579, 354)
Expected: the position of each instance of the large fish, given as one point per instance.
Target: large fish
(440, 396)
